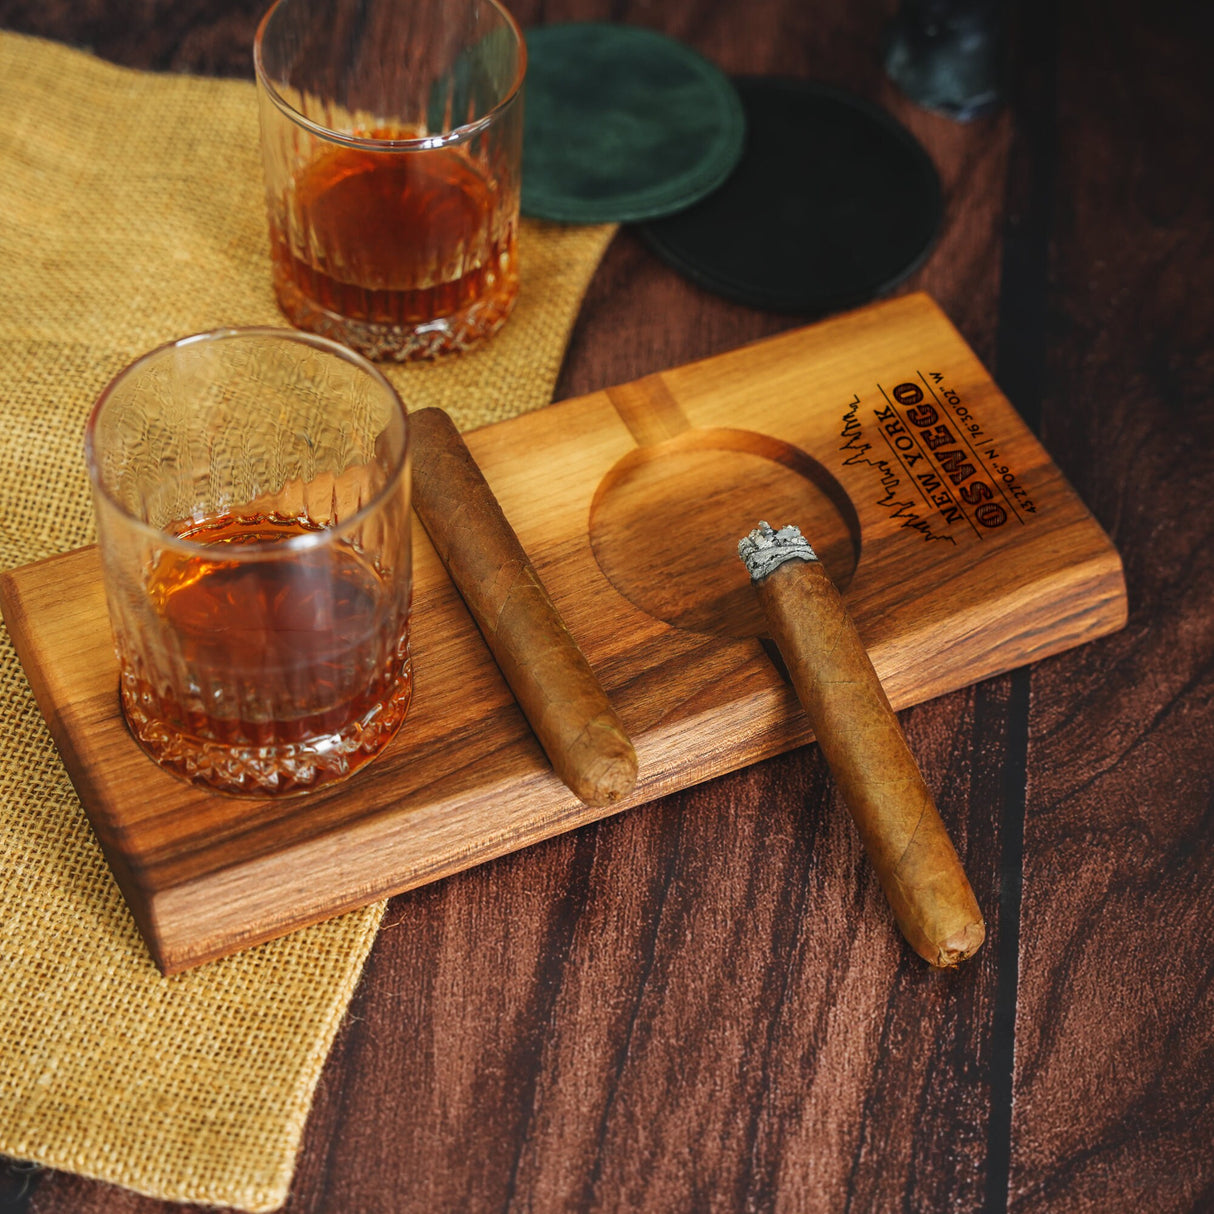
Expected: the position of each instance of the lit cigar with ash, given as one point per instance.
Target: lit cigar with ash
(864, 747)
(557, 691)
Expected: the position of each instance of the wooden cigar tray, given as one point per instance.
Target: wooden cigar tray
(961, 550)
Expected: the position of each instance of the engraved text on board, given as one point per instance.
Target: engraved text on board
(937, 471)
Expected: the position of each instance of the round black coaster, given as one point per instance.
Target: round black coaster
(832, 203)
(622, 124)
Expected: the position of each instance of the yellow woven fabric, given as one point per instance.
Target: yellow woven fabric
(131, 212)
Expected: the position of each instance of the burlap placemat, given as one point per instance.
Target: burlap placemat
(131, 212)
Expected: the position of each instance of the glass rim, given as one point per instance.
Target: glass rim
(460, 134)
(240, 553)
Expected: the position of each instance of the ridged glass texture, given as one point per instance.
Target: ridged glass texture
(391, 139)
(251, 490)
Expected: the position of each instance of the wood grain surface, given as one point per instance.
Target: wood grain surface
(701, 1005)
(837, 427)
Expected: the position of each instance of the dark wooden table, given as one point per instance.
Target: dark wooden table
(702, 1005)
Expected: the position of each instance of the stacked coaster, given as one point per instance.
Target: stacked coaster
(622, 124)
(776, 193)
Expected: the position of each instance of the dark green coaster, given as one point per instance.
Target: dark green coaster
(832, 203)
(622, 124)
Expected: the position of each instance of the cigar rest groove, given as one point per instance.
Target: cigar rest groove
(943, 597)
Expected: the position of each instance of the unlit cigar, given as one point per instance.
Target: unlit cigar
(557, 691)
(864, 747)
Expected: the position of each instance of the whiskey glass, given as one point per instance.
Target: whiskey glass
(251, 490)
(391, 136)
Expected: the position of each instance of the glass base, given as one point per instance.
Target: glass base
(453, 334)
(283, 769)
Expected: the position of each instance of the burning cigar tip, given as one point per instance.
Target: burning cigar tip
(765, 549)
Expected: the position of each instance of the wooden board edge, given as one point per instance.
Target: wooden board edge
(201, 920)
(161, 913)
(180, 945)
(169, 920)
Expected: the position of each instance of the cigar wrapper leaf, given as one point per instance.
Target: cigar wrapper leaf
(548, 674)
(864, 747)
